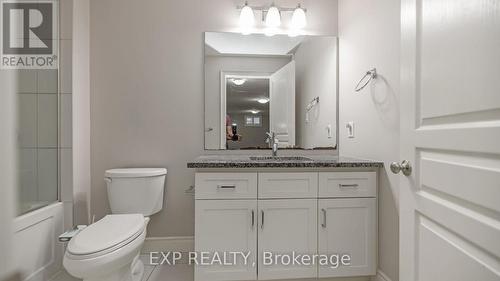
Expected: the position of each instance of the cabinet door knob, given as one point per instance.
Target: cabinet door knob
(404, 167)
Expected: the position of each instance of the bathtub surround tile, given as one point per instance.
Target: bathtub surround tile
(47, 174)
(47, 81)
(47, 120)
(66, 121)
(27, 118)
(28, 175)
(26, 81)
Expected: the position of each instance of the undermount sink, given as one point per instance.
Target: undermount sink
(279, 158)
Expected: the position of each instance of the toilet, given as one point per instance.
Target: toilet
(108, 250)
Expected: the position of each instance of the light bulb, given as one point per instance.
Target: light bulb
(247, 19)
(298, 18)
(273, 18)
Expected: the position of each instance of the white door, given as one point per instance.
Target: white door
(282, 104)
(226, 226)
(286, 226)
(348, 227)
(450, 134)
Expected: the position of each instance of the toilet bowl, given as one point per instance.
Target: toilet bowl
(108, 250)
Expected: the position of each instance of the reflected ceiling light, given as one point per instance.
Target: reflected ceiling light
(253, 111)
(247, 19)
(273, 18)
(263, 100)
(239, 82)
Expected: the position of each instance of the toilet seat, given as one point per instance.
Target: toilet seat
(106, 235)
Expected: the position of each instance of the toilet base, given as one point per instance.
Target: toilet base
(130, 272)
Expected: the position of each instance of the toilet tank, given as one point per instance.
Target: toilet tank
(136, 190)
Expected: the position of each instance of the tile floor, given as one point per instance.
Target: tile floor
(179, 272)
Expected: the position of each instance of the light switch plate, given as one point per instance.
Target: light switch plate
(350, 129)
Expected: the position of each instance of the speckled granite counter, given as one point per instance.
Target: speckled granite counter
(310, 161)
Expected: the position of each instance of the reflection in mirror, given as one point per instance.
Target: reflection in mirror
(256, 84)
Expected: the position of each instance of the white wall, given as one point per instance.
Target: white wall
(81, 111)
(316, 76)
(369, 37)
(146, 65)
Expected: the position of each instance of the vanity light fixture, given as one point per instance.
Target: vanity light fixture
(298, 21)
(239, 81)
(247, 19)
(271, 17)
(263, 100)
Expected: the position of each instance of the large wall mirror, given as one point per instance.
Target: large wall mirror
(256, 84)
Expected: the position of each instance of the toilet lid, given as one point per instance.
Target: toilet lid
(106, 233)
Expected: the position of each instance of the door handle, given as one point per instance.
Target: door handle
(323, 224)
(404, 167)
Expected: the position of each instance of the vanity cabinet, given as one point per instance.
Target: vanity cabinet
(348, 225)
(281, 212)
(226, 226)
(287, 226)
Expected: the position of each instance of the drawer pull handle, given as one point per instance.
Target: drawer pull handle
(323, 224)
(354, 185)
(226, 186)
(262, 220)
(253, 218)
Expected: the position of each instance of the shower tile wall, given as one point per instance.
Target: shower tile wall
(45, 126)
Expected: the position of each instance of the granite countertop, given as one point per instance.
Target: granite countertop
(313, 161)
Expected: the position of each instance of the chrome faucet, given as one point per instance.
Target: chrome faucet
(273, 141)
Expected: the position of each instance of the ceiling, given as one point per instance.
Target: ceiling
(243, 98)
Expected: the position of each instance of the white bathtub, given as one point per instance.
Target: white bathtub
(38, 254)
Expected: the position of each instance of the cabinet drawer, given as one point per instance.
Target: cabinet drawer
(288, 185)
(347, 184)
(225, 185)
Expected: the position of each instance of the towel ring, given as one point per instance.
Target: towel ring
(372, 73)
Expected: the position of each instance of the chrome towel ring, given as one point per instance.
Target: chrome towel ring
(371, 74)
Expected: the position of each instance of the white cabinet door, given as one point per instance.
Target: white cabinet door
(287, 226)
(226, 226)
(348, 227)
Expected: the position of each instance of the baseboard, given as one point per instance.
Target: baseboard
(381, 276)
(168, 244)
